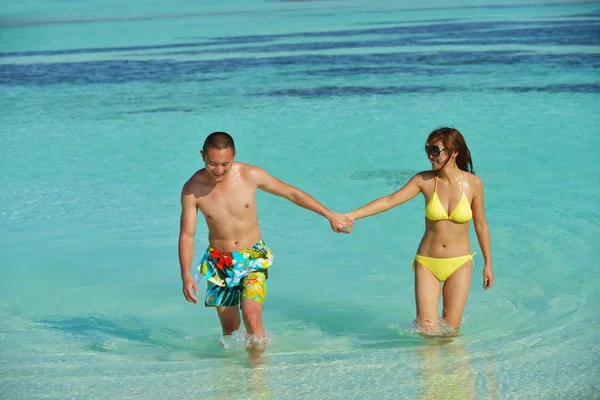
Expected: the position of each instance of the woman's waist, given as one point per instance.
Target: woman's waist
(442, 246)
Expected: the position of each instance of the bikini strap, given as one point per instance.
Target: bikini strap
(435, 186)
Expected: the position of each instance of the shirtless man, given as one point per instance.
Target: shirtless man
(237, 260)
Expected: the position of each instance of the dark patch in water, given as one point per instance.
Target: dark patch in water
(353, 91)
(593, 14)
(451, 32)
(100, 72)
(477, 7)
(331, 91)
(160, 110)
(352, 70)
(98, 332)
(561, 88)
(420, 21)
(22, 23)
(94, 72)
(310, 46)
(391, 177)
(553, 28)
(101, 50)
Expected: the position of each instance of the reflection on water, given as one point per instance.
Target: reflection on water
(445, 370)
(237, 378)
(490, 384)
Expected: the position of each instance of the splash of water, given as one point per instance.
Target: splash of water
(428, 328)
(240, 340)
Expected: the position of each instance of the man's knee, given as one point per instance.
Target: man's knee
(252, 314)
(229, 328)
(230, 319)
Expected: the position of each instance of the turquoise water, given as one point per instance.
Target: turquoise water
(105, 107)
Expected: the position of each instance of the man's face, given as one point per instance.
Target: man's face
(218, 162)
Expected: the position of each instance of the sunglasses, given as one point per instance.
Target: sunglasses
(433, 150)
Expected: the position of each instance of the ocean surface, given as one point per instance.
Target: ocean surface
(104, 107)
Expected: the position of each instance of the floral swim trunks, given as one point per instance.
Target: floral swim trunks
(234, 276)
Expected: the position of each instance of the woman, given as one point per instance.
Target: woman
(453, 196)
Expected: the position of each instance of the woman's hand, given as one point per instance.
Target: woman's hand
(488, 277)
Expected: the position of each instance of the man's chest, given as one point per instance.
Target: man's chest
(231, 203)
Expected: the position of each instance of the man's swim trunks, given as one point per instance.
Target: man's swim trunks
(233, 276)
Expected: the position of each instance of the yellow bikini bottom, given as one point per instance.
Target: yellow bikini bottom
(442, 268)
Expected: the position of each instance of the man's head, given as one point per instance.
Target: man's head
(218, 153)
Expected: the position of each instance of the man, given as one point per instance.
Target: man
(237, 260)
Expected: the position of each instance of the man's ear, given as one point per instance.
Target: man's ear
(202, 154)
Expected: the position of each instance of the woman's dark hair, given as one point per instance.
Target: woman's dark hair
(453, 140)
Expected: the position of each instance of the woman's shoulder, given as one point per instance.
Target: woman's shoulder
(423, 178)
(425, 175)
(472, 179)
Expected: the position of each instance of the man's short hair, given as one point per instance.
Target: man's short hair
(219, 141)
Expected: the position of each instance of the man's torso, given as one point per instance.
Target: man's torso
(229, 209)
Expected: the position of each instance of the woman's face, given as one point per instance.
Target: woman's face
(438, 155)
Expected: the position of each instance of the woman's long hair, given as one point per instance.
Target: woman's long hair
(454, 141)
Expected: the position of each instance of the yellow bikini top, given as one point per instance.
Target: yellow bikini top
(435, 211)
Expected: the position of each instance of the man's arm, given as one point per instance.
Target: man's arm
(187, 229)
(270, 184)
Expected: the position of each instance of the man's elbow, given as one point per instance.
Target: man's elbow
(186, 237)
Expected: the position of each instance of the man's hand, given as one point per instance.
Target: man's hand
(341, 223)
(189, 288)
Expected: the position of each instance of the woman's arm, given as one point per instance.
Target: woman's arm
(402, 195)
(482, 231)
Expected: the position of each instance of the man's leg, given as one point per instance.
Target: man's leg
(226, 300)
(230, 319)
(253, 296)
(252, 314)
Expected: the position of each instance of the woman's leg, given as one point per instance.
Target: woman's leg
(455, 293)
(427, 297)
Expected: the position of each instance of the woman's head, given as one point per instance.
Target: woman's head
(445, 145)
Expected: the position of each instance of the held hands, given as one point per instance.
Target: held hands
(189, 288)
(341, 223)
(488, 277)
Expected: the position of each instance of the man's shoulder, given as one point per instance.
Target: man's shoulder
(196, 180)
(245, 166)
(248, 170)
(252, 174)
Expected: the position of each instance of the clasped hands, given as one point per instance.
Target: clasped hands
(341, 223)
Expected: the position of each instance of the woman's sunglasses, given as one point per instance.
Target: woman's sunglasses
(433, 150)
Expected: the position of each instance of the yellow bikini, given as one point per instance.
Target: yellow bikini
(442, 268)
(435, 211)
